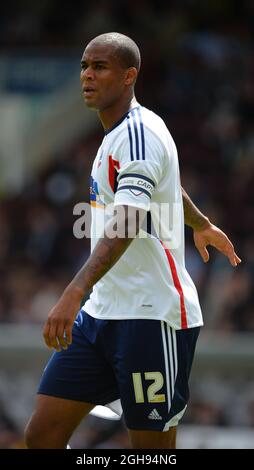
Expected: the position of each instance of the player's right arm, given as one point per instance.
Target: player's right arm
(205, 233)
(118, 235)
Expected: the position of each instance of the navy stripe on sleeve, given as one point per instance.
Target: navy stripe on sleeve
(135, 188)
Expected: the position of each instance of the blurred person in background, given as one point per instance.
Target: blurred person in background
(135, 337)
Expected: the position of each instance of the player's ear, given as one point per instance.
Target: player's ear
(131, 76)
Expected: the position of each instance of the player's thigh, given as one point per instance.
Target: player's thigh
(152, 370)
(80, 373)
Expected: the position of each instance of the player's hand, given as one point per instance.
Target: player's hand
(212, 235)
(57, 330)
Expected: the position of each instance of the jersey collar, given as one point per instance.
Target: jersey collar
(120, 120)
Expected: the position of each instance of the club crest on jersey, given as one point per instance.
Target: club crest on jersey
(96, 200)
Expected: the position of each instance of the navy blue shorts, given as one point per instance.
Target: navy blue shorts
(145, 363)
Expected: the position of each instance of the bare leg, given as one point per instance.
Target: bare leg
(153, 439)
(53, 422)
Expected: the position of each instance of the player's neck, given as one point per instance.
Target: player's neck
(110, 116)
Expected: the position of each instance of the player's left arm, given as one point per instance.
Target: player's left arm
(205, 233)
(118, 235)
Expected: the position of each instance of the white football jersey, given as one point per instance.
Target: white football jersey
(137, 165)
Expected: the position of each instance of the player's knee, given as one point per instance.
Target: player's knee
(37, 434)
(32, 436)
(45, 435)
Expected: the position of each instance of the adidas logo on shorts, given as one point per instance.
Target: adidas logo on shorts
(154, 414)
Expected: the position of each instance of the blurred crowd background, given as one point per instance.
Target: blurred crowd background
(198, 75)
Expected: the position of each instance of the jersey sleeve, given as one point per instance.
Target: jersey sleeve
(141, 164)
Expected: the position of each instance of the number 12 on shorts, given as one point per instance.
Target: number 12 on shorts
(153, 388)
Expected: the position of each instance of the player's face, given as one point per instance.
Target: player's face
(103, 80)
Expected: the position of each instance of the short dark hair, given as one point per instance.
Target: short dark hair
(126, 49)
